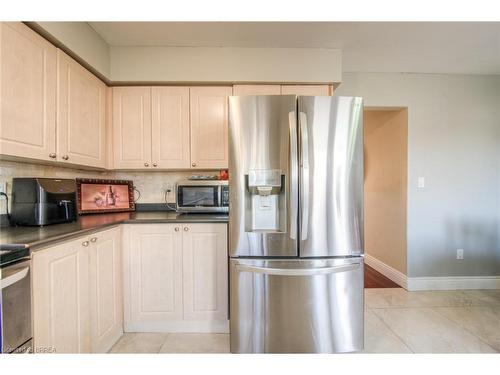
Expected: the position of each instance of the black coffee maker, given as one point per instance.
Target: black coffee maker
(43, 201)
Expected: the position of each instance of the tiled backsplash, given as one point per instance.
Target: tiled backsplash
(151, 184)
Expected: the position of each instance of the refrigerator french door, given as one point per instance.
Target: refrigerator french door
(296, 224)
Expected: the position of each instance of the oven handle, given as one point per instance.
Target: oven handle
(14, 278)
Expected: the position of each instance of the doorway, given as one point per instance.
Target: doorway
(385, 194)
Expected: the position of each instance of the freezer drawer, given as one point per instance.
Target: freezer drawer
(296, 306)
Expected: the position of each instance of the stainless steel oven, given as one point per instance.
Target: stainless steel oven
(202, 196)
(15, 311)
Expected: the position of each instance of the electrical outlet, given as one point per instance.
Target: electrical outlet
(170, 193)
(460, 254)
(3, 187)
(421, 182)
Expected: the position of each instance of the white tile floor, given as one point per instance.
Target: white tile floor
(396, 321)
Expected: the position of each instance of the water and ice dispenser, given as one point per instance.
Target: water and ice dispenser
(265, 201)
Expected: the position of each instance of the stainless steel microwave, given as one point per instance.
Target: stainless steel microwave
(202, 196)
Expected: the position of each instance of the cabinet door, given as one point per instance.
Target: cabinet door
(170, 127)
(81, 114)
(209, 127)
(106, 301)
(61, 298)
(306, 90)
(132, 127)
(153, 267)
(205, 268)
(27, 93)
(256, 90)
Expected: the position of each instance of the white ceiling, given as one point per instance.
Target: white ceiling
(425, 47)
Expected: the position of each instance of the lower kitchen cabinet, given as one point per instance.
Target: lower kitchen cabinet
(77, 294)
(61, 306)
(152, 275)
(106, 295)
(204, 271)
(175, 278)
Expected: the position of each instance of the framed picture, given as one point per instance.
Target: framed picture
(95, 196)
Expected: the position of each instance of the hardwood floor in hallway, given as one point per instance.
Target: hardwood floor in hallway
(374, 279)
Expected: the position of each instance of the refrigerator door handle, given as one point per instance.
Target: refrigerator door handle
(298, 272)
(294, 178)
(304, 163)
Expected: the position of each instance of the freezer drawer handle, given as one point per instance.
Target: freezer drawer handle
(298, 272)
(14, 278)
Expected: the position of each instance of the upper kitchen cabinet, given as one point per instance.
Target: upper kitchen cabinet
(306, 90)
(132, 127)
(170, 128)
(81, 114)
(209, 126)
(27, 93)
(241, 90)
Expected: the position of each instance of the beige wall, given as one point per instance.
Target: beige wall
(454, 142)
(80, 39)
(152, 185)
(385, 186)
(225, 64)
(162, 64)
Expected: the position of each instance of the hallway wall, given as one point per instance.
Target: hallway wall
(386, 133)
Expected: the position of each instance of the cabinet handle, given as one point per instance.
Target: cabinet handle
(186, 229)
(193, 164)
(155, 165)
(65, 157)
(146, 164)
(176, 229)
(52, 155)
(85, 243)
(93, 239)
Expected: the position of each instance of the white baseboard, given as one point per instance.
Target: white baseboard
(453, 283)
(183, 326)
(389, 272)
(433, 283)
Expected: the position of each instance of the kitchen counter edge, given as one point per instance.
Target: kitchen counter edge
(38, 238)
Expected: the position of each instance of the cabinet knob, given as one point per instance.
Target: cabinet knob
(176, 229)
(146, 164)
(186, 229)
(52, 155)
(155, 165)
(65, 157)
(193, 164)
(93, 239)
(85, 243)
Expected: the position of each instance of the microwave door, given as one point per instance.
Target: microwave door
(331, 176)
(202, 198)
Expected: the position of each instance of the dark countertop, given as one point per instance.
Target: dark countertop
(37, 237)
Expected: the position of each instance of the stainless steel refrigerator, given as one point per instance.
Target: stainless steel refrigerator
(296, 224)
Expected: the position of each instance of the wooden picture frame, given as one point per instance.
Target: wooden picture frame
(104, 196)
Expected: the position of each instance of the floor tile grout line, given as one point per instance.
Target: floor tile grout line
(463, 327)
(163, 343)
(395, 333)
(446, 318)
